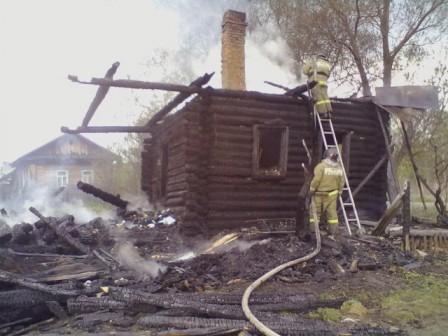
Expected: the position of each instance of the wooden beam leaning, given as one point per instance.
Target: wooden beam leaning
(100, 94)
(370, 175)
(414, 164)
(396, 184)
(390, 213)
(198, 82)
(106, 129)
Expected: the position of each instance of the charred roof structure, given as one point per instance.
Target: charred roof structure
(230, 157)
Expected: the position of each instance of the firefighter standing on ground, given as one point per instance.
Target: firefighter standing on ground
(318, 70)
(326, 187)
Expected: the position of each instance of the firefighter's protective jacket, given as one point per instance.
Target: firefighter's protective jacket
(317, 70)
(328, 177)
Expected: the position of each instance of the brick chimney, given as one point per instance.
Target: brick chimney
(233, 72)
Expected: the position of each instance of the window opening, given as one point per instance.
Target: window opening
(270, 151)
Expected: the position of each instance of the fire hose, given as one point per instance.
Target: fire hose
(245, 301)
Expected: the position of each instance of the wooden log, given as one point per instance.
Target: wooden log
(297, 106)
(198, 82)
(369, 175)
(135, 84)
(103, 195)
(253, 196)
(266, 114)
(106, 129)
(100, 94)
(253, 205)
(395, 185)
(414, 165)
(406, 215)
(388, 215)
(254, 214)
(32, 284)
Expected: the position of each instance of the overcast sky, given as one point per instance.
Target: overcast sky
(41, 42)
(44, 41)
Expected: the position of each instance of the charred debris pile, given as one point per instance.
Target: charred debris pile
(138, 272)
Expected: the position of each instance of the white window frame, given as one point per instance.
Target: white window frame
(62, 180)
(91, 176)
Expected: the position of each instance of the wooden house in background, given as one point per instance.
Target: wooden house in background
(61, 162)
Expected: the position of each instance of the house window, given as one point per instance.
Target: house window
(270, 151)
(62, 178)
(87, 176)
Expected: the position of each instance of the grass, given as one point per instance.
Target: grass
(422, 300)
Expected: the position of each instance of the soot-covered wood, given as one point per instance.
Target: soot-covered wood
(210, 157)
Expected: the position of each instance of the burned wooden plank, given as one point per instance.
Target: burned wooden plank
(198, 82)
(100, 94)
(388, 215)
(106, 129)
(395, 184)
(370, 175)
(103, 195)
(32, 284)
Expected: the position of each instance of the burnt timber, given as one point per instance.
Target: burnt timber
(200, 160)
(228, 158)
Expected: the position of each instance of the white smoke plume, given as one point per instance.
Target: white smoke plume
(128, 256)
(43, 199)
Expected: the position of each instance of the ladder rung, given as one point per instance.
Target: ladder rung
(351, 204)
(332, 146)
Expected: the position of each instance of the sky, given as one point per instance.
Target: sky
(44, 41)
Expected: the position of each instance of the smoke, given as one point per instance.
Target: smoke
(128, 256)
(43, 199)
(138, 202)
(243, 245)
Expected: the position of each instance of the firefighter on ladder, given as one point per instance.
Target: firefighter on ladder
(318, 69)
(326, 187)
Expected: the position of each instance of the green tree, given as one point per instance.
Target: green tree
(365, 39)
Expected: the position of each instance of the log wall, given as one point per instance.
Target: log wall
(210, 142)
(367, 147)
(235, 195)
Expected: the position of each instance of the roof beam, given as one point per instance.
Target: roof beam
(100, 94)
(198, 82)
(106, 129)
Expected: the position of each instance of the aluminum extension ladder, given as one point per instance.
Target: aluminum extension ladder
(346, 201)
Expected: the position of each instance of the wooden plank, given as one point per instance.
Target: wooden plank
(395, 183)
(198, 82)
(106, 129)
(370, 175)
(100, 94)
(388, 215)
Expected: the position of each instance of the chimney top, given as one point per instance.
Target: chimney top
(232, 16)
(232, 50)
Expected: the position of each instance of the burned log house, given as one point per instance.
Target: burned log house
(230, 157)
